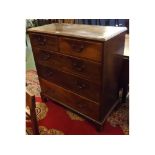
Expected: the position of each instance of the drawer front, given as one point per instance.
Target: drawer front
(80, 48)
(44, 41)
(68, 98)
(71, 82)
(85, 69)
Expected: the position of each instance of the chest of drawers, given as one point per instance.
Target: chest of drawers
(79, 66)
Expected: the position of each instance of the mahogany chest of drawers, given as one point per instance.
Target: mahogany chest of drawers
(79, 66)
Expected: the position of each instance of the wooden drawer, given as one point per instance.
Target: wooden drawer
(71, 82)
(44, 41)
(66, 97)
(81, 48)
(85, 69)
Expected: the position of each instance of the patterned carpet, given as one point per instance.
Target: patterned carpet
(56, 120)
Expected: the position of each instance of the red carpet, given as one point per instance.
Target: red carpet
(55, 120)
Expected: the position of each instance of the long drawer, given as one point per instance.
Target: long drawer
(78, 85)
(81, 48)
(70, 99)
(44, 42)
(83, 68)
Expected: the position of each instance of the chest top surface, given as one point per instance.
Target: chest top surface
(100, 33)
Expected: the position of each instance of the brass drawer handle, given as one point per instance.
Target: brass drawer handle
(81, 86)
(41, 41)
(50, 73)
(78, 66)
(46, 57)
(77, 48)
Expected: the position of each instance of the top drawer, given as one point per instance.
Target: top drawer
(81, 48)
(44, 41)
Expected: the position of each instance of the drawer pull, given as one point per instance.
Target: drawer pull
(49, 74)
(77, 48)
(41, 41)
(80, 69)
(46, 56)
(81, 86)
(78, 66)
